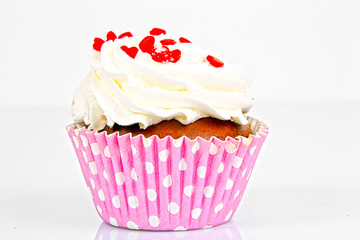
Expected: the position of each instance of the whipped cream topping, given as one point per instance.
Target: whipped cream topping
(125, 90)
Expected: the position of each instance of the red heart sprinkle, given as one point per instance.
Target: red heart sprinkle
(157, 57)
(167, 42)
(175, 55)
(184, 40)
(125, 34)
(157, 31)
(98, 42)
(131, 52)
(147, 44)
(110, 36)
(161, 55)
(214, 61)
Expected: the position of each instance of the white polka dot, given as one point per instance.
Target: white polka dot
(84, 140)
(93, 169)
(195, 213)
(201, 171)
(133, 175)
(208, 191)
(151, 194)
(173, 208)
(92, 183)
(132, 225)
(219, 207)
(147, 142)
(95, 148)
(85, 157)
(116, 201)
(230, 147)
(243, 173)
(180, 228)
(188, 190)
(178, 142)
(252, 150)
(248, 176)
(105, 175)
(134, 151)
(229, 233)
(107, 152)
(167, 182)
(99, 209)
(149, 167)
(133, 202)
(236, 194)
(113, 221)
(154, 221)
(163, 155)
(229, 184)
(237, 162)
(228, 216)
(182, 165)
(76, 141)
(101, 195)
(213, 149)
(119, 178)
(195, 147)
(207, 226)
(221, 168)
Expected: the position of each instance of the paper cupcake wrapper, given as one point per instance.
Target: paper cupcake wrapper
(166, 184)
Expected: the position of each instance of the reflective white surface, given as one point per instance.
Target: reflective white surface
(305, 184)
(226, 231)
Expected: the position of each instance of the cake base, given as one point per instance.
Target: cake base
(205, 128)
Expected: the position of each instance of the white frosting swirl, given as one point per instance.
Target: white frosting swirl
(126, 91)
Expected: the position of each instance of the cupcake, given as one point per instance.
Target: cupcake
(161, 134)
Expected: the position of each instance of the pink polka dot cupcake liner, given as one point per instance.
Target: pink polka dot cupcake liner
(166, 184)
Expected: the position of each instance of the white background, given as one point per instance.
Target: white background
(304, 57)
(295, 50)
